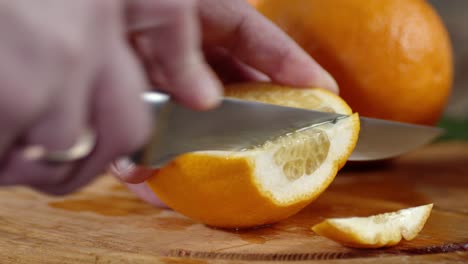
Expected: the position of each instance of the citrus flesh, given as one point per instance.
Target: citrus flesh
(267, 183)
(391, 58)
(375, 231)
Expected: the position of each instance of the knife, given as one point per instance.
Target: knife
(238, 124)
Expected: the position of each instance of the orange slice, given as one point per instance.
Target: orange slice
(267, 183)
(375, 231)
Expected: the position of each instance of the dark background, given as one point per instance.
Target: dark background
(454, 13)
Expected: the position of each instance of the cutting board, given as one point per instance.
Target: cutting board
(104, 223)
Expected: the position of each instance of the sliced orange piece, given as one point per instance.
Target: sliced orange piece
(375, 231)
(267, 183)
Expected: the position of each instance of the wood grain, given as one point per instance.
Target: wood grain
(104, 223)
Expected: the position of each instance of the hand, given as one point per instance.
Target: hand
(238, 43)
(66, 66)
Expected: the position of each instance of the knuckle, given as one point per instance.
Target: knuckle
(75, 47)
(241, 30)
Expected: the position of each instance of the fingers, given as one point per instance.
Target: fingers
(145, 193)
(174, 44)
(47, 110)
(127, 171)
(77, 99)
(57, 130)
(120, 118)
(256, 41)
(58, 126)
(230, 69)
(14, 119)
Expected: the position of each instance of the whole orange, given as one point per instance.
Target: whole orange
(391, 58)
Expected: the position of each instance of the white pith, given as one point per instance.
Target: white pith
(270, 177)
(385, 228)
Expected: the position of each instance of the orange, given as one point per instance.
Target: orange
(266, 183)
(391, 58)
(376, 231)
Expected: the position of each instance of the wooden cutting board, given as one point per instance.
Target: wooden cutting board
(106, 224)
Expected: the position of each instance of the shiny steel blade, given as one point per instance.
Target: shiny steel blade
(381, 139)
(234, 125)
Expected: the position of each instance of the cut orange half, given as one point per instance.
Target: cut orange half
(267, 183)
(375, 231)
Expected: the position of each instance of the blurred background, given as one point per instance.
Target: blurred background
(455, 16)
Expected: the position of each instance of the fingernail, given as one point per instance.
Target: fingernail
(329, 82)
(123, 168)
(146, 194)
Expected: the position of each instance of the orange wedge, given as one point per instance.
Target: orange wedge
(267, 183)
(375, 231)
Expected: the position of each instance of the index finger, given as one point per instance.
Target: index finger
(256, 41)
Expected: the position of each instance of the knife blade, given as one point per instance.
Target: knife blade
(239, 124)
(382, 139)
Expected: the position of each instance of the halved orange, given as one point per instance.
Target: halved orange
(267, 183)
(375, 231)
